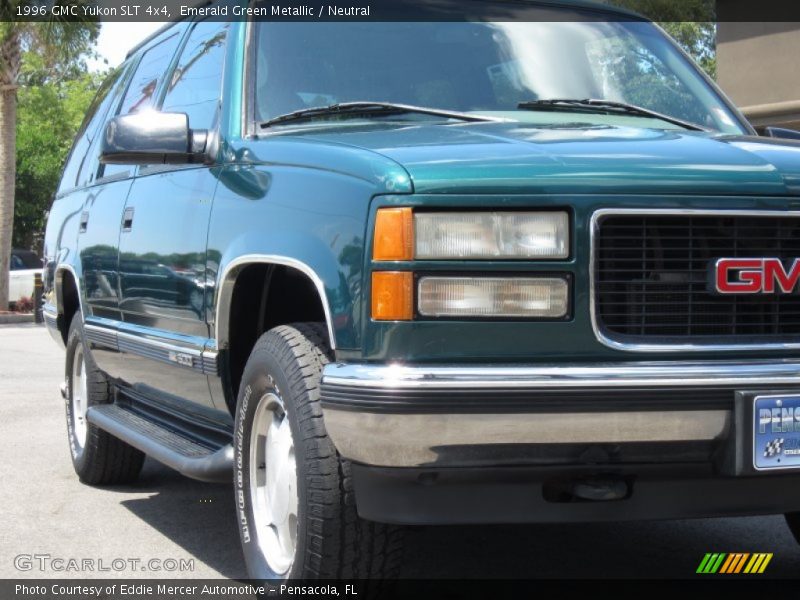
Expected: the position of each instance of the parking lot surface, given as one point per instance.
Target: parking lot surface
(166, 517)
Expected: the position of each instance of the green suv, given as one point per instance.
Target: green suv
(390, 273)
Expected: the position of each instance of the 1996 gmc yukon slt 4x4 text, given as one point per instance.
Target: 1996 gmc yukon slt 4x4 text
(429, 272)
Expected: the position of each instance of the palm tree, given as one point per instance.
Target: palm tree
(63, 45)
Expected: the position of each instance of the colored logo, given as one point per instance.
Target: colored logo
(755, 276)
(736, 562)
(774, 448)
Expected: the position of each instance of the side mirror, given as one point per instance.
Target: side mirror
(152, 137)
(780, 132)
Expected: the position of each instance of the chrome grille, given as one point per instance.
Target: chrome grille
(652, 270)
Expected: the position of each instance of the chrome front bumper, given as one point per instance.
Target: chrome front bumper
(410, 416)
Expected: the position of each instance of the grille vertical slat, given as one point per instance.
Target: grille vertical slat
(653, 278)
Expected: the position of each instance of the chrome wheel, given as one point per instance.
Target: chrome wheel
(273, 483)
(79, 398)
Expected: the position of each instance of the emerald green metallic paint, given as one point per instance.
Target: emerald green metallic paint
(513, 158)
(328, 175)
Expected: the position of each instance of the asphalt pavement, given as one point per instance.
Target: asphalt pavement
(169, 526)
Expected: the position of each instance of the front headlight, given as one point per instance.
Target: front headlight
(402, 234)
(491, 235)
(526, 297)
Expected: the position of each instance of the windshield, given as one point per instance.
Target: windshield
(480, 67)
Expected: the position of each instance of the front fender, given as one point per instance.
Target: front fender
(304, 253)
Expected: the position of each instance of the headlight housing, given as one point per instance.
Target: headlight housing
(403, 234)
(493, 297)
(491, 235)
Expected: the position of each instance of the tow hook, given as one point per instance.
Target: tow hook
(597, 488)
(601, 489)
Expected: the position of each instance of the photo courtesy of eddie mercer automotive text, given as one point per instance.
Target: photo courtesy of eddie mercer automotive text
(379, 274)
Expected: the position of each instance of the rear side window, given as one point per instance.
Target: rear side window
(196, 82)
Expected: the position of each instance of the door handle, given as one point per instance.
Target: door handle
(84, 222)
(127, 219)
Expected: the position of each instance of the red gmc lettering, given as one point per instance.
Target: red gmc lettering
(750, 272)
(773, 272)
(755, 276)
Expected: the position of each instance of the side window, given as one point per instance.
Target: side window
(143, 83)
(152, 66)
(95, 116)
(196, 83)
(90, 162)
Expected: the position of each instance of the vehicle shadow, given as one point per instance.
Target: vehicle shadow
(199, 517)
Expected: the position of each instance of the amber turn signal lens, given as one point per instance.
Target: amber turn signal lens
(394, 234)
(392, 296)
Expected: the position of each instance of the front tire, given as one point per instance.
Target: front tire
(294, 496)
(97, 456)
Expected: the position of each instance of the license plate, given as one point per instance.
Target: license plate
(776, 437)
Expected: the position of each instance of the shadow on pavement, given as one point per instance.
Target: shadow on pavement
(200, 517)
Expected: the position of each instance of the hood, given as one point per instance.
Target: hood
(520, 158)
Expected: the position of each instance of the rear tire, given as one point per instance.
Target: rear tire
(300, 521)
(97, 456)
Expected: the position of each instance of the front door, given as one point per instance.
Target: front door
(164, 290)
(164, 335)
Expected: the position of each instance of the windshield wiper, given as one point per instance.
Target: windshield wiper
(368, 109)
(606, 107)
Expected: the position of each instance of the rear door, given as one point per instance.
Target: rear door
(163, 283)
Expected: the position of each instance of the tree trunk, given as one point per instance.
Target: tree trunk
(8, 162)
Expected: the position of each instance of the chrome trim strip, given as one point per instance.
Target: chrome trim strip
(619, 374)
(228, 279)
(245, 130)
(203, 359)
(50, 315)
(210, 363)
(686, 347)
(157, 344)
(410, 440)
(100, 336)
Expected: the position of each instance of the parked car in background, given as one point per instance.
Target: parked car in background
(23, 267)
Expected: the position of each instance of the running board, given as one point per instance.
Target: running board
(178, 452)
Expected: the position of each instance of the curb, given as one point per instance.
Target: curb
(12, 318)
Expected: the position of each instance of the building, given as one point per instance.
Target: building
(757, 66)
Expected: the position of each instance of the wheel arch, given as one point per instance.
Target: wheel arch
(68, 297)
(227, 285)
(247, 306)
